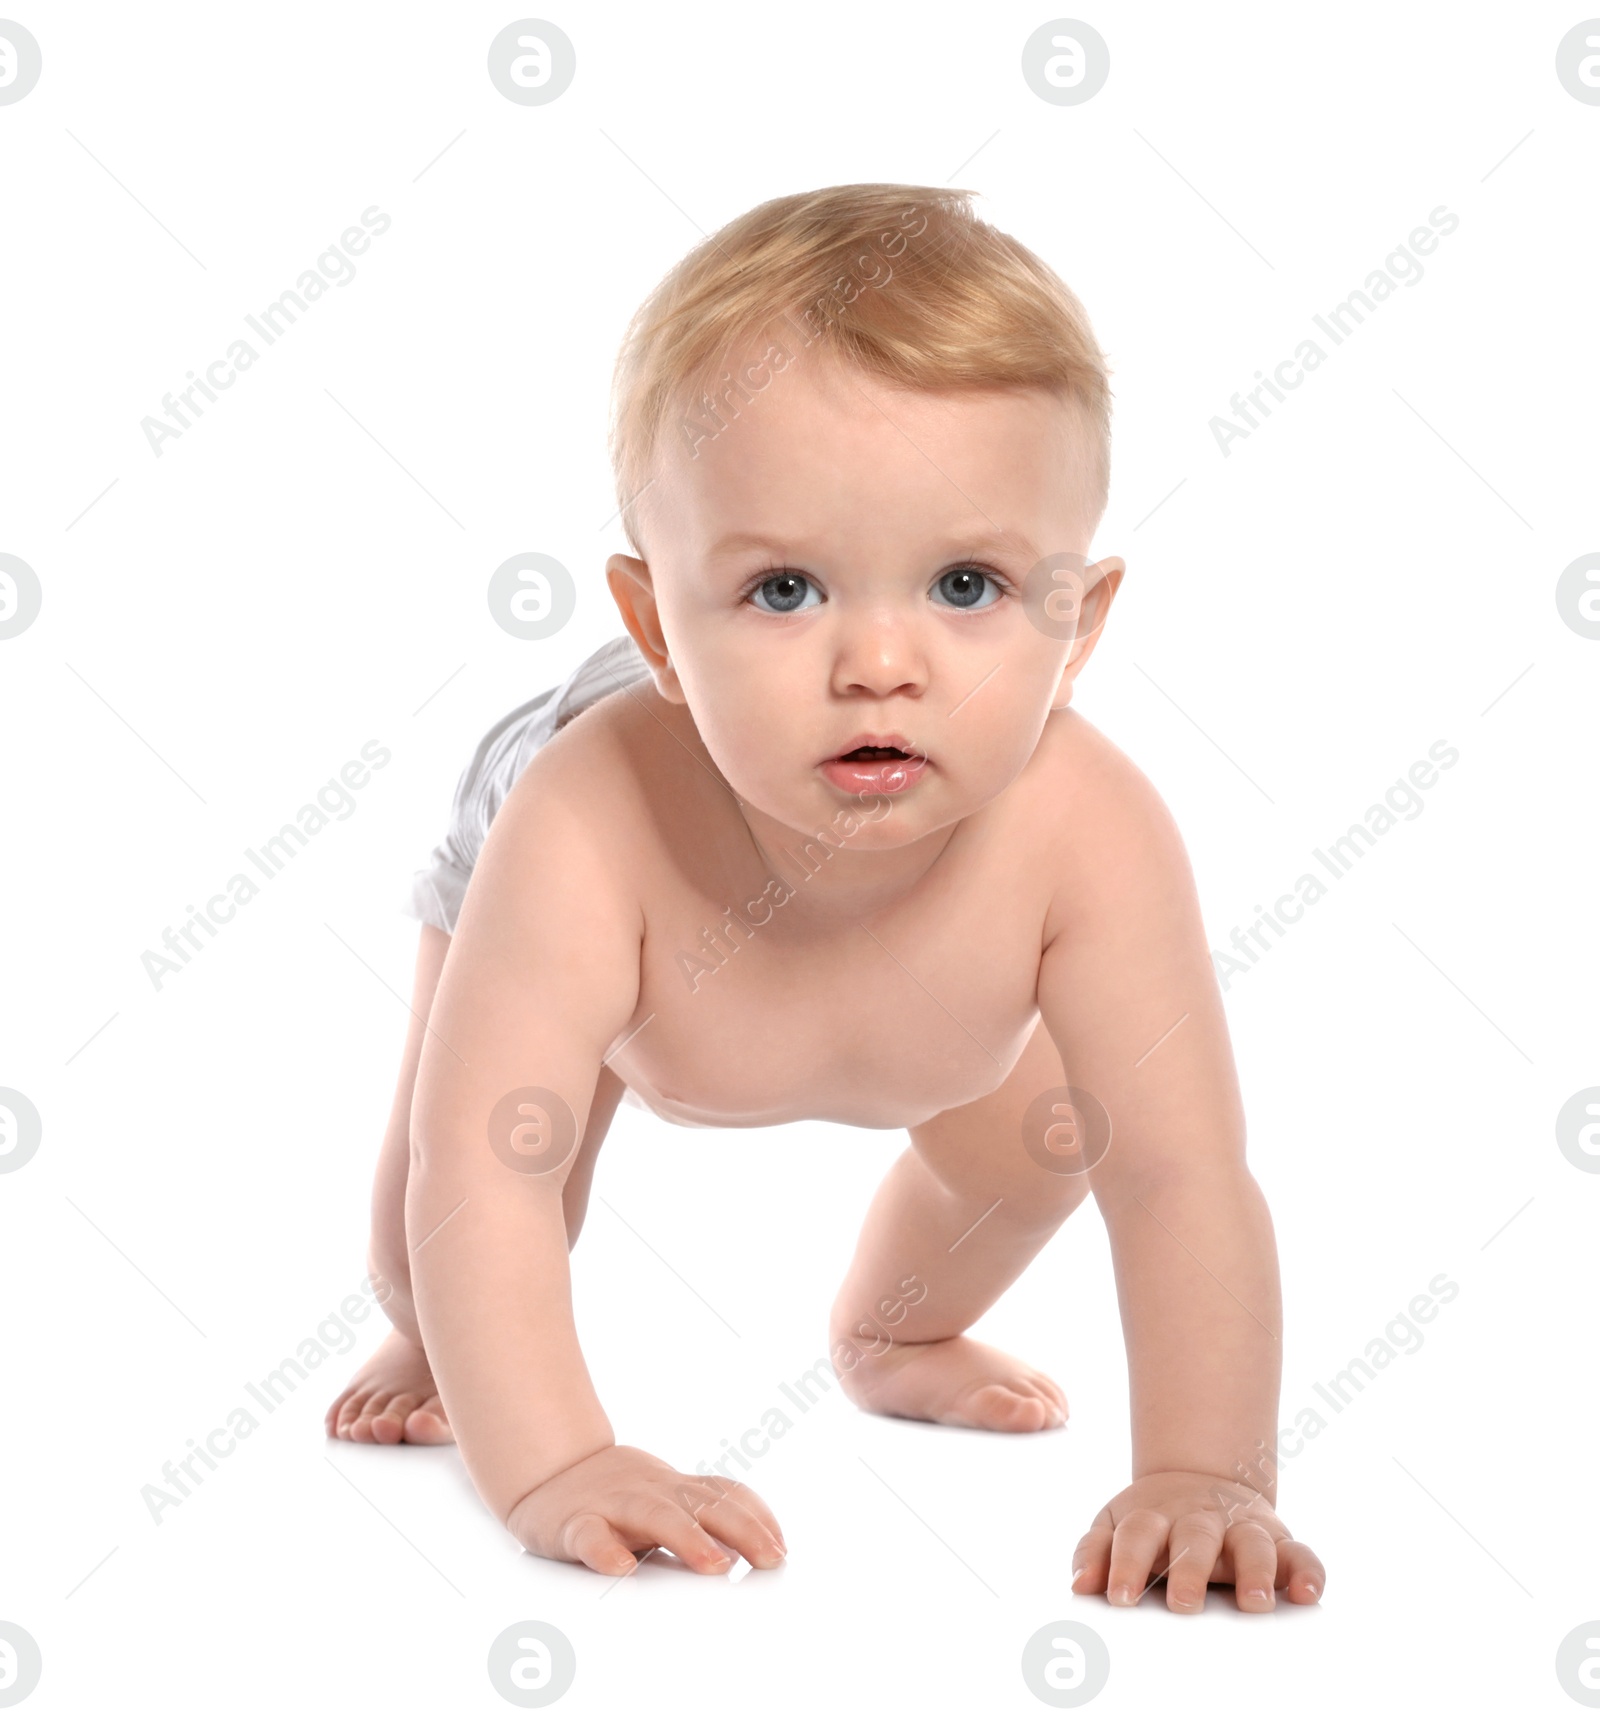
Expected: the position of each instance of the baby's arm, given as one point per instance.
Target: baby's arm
(1127, 990)
(541, 980)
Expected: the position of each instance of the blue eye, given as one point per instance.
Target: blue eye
(968, 589)
(783, 589)
(782, 592)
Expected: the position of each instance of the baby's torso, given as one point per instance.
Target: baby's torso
(748, 1014)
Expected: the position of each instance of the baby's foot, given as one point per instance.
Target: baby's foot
(393, 1398)
(959, 1381)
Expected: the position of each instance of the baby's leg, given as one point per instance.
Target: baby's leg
(953, 1224)
(393, 1397)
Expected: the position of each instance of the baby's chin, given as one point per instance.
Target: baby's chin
(856, 822)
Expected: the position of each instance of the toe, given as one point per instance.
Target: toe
(389, 1423)
(1033, 1413)
(361, 1423)
(426, 1425)
(996, 1406)
(345, 1412)
(1044, 1387)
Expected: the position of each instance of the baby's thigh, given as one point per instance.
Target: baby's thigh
(388, 1241)
(979, 1149)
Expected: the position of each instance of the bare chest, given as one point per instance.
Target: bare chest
(748, 1017)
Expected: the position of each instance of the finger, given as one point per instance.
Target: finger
(670, 1526)
(1299, 1572)
(1254, 1557)
(738, 1525)
(735, 1514)
(1091, 1559)
(590, 1539)
(694, 1493)
(1138, 1540)
(1194, 1544)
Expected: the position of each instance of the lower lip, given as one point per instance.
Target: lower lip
(887, 774)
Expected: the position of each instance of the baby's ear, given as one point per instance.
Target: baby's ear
(1104, 579)
(1101, 582)
(666, 679)
(635, 595)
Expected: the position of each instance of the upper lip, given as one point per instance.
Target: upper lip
(876, 740)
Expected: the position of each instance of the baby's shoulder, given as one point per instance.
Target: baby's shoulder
(1111, 834)
(589, 762)
(617, 770)
(1089, 775)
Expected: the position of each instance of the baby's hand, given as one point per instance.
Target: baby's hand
(1195, 1528)
(621, 1502)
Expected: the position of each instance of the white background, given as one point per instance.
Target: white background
(225, 625)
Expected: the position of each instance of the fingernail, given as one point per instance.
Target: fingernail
(1313, 1589)
(1079, 1573)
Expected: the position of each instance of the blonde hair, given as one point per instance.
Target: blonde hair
(903, 282)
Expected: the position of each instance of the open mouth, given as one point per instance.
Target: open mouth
(877, 766)
(877, 763)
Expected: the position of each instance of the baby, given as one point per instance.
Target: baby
(822, 837)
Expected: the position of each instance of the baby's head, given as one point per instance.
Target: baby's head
(861, 444)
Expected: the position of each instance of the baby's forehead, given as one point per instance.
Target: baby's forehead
(786, 447)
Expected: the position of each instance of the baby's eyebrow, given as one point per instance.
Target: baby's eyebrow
(1002, 540)
(744, 541)
(956, 545)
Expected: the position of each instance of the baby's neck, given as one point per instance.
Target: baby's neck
(834, 883)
